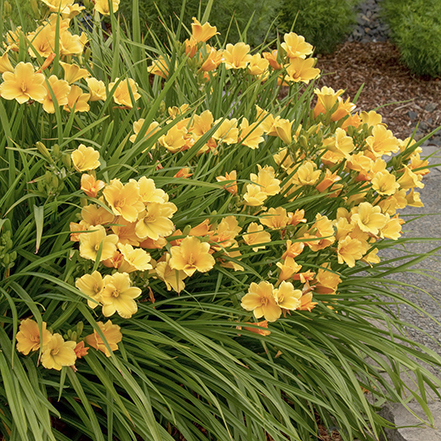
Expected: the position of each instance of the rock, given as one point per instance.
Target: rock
(399, 415)
(412, 115)
(431, 107)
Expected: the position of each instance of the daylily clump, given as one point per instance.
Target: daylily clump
(185, 204)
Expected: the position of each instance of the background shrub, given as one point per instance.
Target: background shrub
(416, 30)
(227, 15)
(323, 23)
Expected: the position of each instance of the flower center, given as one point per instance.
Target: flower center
(55, 351)
(120, 203)
(115, 293)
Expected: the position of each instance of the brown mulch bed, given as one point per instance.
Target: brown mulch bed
(386, 80)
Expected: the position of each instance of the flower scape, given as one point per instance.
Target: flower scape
(190, 248)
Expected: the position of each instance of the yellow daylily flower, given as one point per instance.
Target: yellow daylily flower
(191, 255)
(85, 158)
(260, 299)
(58, 353)
(102, 6)
(118, 296)
(112, 335)
(23, 84)
(60, 89)
(29, 338)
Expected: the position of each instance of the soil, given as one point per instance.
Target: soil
(403, 98)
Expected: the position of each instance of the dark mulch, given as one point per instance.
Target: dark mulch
(386, 80)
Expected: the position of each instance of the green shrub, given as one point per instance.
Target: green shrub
(416, 30)
(228, 16)
(324, 23)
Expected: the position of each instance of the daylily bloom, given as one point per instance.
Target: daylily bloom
(73, 73)
(90, 185)
(288, 268)
(118, 296)
(58, 353)
(254, 196)
(155, 221)
(103, 7)
(85, 158)
(151, 130)
(368, 218)
(256, 236)
(295, 46)
(327, 98)
(191, 255)
(29, 338)
(112, 335)
(260, 299)
(97, 89)
(349, 250)
(232, 186)
(5, 64)
(227, 132)
(122, 95)
(258, 66)
(266, 180)
(92, 285)
(287, 297)
(237, 56)
(77, 100)
(23, 84)
(275, 218)
(60, 89)
(135, 259)
(173, 279)
(124, 200)
(251, 134)
(202, 32)
(95, 238)
(96, 215)
(301, 70)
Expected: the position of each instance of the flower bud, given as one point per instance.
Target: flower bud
(43, 150)
(7, 9)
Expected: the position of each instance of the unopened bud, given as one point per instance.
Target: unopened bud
(7, 9)
(67, 161)
(43, 150)
(186, 231)
(35, 8)
(303, 141)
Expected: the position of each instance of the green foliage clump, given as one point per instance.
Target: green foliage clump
(416, 30)
(152, 202)
(229, 16)
(324, 23)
